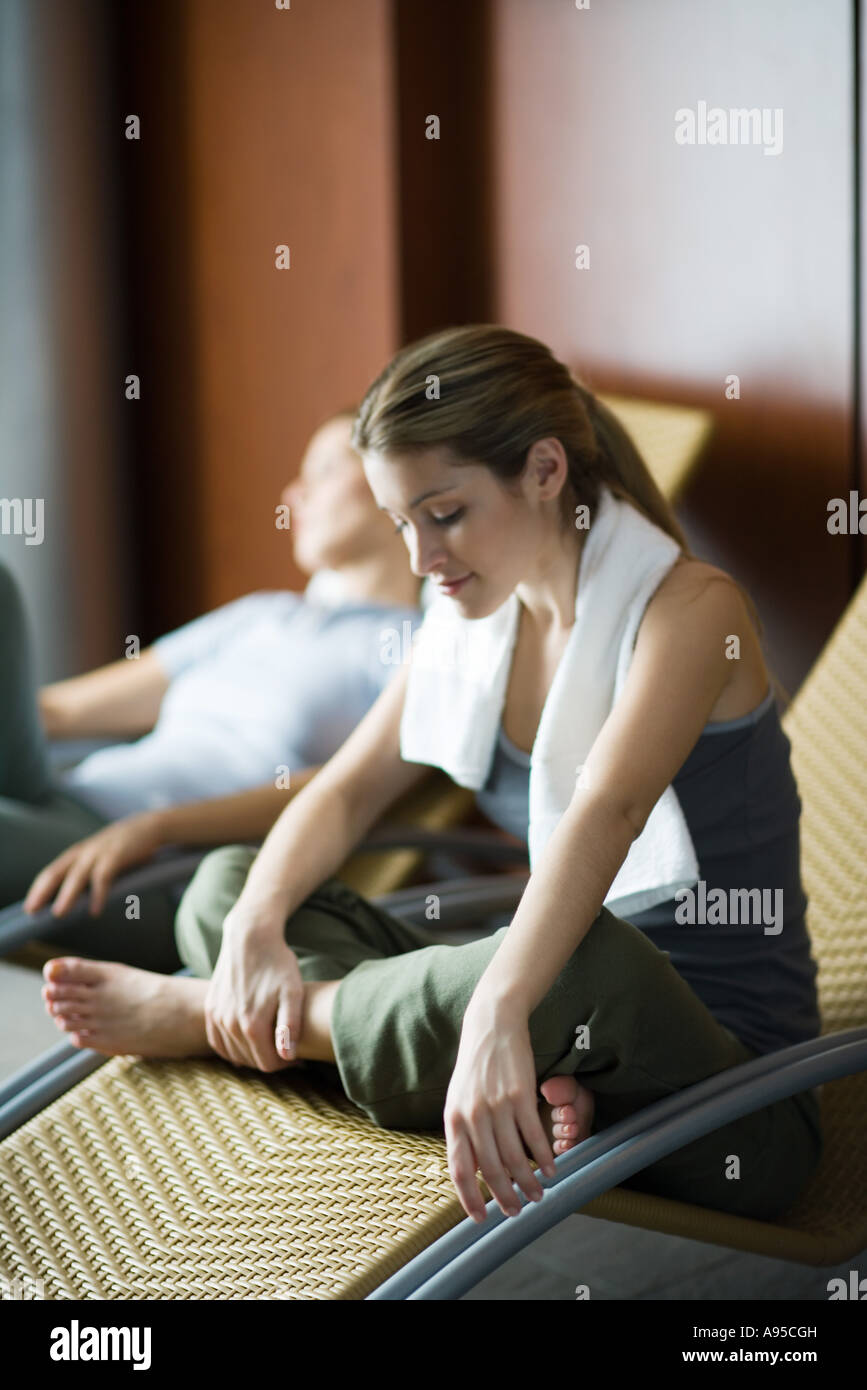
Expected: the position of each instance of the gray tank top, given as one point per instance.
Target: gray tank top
(738, 794)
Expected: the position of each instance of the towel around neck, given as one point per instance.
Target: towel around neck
(458, 680)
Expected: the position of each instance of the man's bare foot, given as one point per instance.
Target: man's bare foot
(119, 1010)
(567, 1112)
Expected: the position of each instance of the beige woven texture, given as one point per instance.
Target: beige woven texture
(670, 438)
(193, 1180)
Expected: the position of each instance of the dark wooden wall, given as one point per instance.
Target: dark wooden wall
(260, 127)
(307, 127)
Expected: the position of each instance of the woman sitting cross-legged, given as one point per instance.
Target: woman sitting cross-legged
(605, 694)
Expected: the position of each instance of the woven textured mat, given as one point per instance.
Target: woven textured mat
(670, 438)
(827, 725)
(193, 1180)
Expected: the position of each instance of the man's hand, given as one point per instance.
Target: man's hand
(97, 860)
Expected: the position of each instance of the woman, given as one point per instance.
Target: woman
(237, 710)
(595, 704)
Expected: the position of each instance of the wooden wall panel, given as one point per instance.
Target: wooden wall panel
(276, 130)
(705, 260)
(442, 68)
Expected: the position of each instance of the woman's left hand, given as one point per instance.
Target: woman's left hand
(491, 1104)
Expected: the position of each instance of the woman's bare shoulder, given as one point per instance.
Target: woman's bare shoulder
(705, 602)
(694, 590)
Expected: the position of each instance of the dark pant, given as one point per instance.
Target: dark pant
(397, 1019)
(38, 821)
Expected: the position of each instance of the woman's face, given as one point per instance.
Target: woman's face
(333, 518)
(477, 537)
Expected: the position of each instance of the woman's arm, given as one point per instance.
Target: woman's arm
(677, 674)
(121, 698)
(330, 816)
(256, 977)
(678, 671)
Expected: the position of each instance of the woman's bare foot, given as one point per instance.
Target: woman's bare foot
(567, 1112)
(119, 1010)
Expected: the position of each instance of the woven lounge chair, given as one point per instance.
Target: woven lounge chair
(196, 1180)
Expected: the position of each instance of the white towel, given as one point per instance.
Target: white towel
(457, 688)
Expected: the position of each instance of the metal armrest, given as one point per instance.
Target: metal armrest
(469, 1252)
(176, 867)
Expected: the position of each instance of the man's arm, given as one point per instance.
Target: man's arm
(99, 859)
(225, 819)
(122, 698)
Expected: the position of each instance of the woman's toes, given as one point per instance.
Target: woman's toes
(71, 970)
(571, 1111)
(68, 1022)
(64, 993)
(559, 1090)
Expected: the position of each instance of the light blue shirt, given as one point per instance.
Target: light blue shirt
(268, 684)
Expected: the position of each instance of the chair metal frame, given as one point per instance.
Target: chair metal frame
(470, 1251)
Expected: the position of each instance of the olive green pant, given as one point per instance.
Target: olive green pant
(397, 1018)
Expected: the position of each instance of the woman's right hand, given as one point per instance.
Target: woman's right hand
(255, 998)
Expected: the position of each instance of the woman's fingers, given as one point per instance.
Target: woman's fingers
(234, 1033)
(534, 1134)
(511, 1150)
(492, 1144)
(259, 1041)
(463, 1165)
(232, 1048)
(287, 1031)
(217, 1035)
(254, 1007)
(484, 1142)
(285, 1035)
